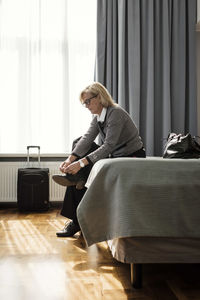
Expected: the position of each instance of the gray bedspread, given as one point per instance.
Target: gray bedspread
(137, 197)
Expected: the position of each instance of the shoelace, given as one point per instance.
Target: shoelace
(67, 224)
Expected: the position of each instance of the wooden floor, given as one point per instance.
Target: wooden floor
(35, 264)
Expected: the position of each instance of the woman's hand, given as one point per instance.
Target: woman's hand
(73, 168)
(64, 165)
(67, 162)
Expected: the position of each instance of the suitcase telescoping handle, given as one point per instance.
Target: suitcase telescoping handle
(28, 154)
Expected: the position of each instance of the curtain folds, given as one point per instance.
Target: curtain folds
(146, 58)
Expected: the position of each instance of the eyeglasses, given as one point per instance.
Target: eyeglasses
(87, 101)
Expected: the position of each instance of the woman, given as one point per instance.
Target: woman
(118, 137)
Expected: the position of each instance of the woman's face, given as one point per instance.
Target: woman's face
(92, 103)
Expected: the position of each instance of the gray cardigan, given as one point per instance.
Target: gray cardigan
(118, 133)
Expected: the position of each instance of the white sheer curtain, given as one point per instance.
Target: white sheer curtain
(47, 54)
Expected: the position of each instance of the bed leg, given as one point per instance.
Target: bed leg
(136, 276)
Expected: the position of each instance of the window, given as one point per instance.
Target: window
(47, 56)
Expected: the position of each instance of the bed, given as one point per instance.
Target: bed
(147, 210)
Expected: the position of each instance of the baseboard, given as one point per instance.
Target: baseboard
(4, 205)
(53, 204)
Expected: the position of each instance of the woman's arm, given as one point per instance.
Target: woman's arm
(114, 127)
(84, 144)
(74, 167)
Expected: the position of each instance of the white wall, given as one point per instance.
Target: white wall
(198, 10)
(198, 81)
(198, 68)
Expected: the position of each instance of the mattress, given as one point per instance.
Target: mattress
(155, 250)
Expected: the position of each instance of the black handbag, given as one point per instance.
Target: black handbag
(181, 146)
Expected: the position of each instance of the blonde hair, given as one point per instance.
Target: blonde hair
(97, 88)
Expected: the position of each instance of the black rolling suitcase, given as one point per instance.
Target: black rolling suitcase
(33, 186)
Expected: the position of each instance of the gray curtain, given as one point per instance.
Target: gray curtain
(146, 58)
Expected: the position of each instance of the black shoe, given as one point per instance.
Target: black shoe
(69, 230)
(80, 184)
(63, 180)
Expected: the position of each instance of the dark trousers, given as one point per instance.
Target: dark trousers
(73, 196)
(71, 201)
